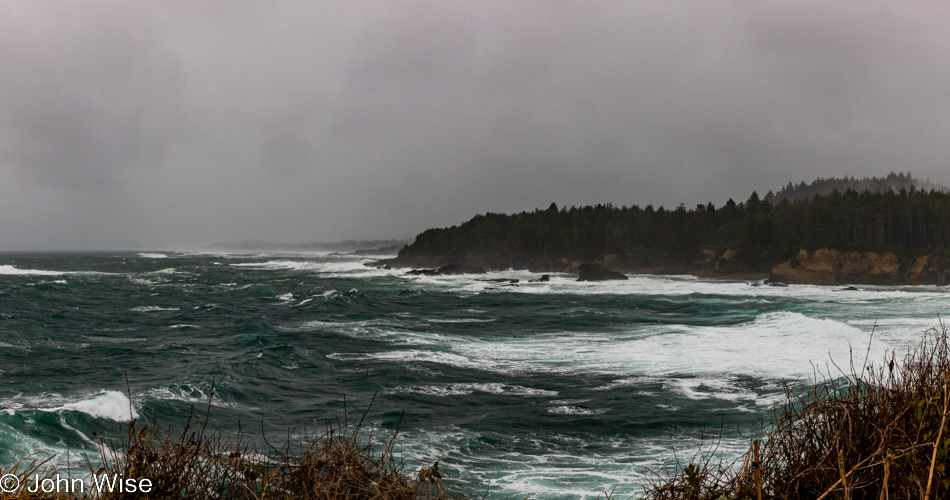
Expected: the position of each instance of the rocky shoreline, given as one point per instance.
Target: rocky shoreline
(824, 266)
(832, 267)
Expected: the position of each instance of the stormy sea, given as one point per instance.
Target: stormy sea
(558, 389)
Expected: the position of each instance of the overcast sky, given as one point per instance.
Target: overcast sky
(150, 125)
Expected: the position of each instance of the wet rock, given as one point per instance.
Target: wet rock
(597, 272)
(848, 289)
(543, 279)
(502, 280)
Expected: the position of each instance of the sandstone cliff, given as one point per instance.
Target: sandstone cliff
(832, 267)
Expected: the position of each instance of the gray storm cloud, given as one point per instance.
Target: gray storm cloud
(176, 124)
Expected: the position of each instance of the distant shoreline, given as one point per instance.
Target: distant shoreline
(382, 247)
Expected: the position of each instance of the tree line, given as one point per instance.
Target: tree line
(761, 233)
(893, 181)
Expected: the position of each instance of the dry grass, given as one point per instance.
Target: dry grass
(876, 432)
(196, 464)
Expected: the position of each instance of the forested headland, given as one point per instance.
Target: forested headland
(751, 236)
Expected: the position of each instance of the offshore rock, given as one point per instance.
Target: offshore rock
(597, 272)
(543, 279)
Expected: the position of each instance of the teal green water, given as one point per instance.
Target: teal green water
(559, 389)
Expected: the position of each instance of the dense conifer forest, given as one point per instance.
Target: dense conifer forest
(905, 220)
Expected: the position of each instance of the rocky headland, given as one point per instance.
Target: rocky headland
(895, 231)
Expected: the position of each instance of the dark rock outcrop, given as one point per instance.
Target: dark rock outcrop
(461, 269)
(543, 279)
(597, 272)
(423, 272)
(502, 280)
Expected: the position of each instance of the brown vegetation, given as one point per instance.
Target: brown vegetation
(339, 462)
(875, 432)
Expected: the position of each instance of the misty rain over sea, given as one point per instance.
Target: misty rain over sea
(560, 389)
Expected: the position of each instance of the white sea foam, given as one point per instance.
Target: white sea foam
(414, 355)
(191, 393)
(574, 410)
(466, 389)
(558, 466)
(461, 320)
(287, 297)
(710, 388)
(11, 270)
(280, 264)
(725, 388)
(111, 405)
(343, 267)
(392, 331)
(152, 309)
(774, 345)
(147, 255)
(62, 422)
(145, 281)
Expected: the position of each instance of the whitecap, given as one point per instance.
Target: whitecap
(463, 389)
(347, 267)
(11, 270)
(147, 255)
(461, 320)
(111, 405)
(574, 410)
(152, 309)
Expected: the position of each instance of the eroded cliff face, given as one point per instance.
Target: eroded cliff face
(833, 267)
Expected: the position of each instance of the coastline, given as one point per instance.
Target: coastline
(822, 267)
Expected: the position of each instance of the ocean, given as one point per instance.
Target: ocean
(557, 390)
